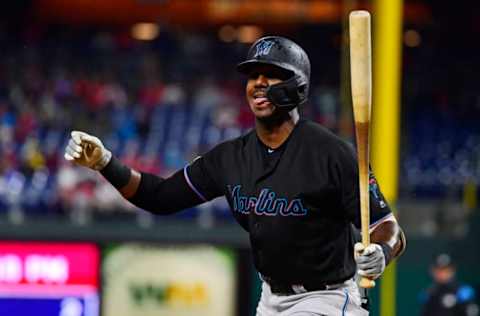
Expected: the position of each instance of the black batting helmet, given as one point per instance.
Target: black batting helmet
(290, 57)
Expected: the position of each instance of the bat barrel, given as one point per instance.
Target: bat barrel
(361, 64)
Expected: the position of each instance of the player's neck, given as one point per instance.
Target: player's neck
(275, 131)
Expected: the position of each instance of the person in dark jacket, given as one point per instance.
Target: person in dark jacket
(446, 296)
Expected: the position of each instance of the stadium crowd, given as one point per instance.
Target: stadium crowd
(157, 107)
(149, 114)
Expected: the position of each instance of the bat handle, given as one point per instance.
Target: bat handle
(366, 283)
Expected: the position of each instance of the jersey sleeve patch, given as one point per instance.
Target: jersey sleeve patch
(379, 210)
(375, 193)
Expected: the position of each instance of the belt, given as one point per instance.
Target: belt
(281, 288)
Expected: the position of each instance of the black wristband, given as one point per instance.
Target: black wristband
(387, 251)
(116, 173)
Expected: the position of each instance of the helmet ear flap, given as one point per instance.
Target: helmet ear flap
(287, 94)
(302, 91)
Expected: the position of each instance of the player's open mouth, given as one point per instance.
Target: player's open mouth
(260, 101)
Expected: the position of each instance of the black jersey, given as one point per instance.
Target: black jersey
(449, 299)
(297, 202)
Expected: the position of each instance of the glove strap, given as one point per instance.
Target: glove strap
(387, 252)
(116, 173)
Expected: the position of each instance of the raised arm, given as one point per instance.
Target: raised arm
(147, 191)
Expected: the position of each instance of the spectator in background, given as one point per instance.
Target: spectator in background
(446, 297)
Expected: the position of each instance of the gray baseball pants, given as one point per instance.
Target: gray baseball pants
(343, 301)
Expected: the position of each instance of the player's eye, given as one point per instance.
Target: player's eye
(253, 75)
(276, 74)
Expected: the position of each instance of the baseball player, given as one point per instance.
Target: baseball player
(290, 183)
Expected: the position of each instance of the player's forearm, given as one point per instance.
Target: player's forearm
(389, 234)
(150, 192)
(123, 178)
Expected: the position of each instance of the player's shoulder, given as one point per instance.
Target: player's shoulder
(319, 136)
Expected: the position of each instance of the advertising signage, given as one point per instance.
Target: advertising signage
(50, 279)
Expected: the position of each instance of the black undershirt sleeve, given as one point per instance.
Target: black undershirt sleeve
(154, 194)
(165, 196)
(116, 173)
(195, 184)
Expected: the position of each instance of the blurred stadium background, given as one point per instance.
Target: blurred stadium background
(156, 81)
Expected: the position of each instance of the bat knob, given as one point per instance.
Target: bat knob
(366, 283)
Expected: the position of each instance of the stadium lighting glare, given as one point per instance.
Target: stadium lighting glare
(249, 33)
(412, 38)
(227, 33)
(145, 31)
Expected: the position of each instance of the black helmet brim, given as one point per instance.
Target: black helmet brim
(247, 66)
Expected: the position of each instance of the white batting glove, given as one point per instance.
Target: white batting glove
(370, 260)
(87, 150)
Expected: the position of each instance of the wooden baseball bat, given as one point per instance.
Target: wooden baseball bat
(361, 83)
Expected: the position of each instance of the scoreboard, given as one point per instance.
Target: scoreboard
(49, 279)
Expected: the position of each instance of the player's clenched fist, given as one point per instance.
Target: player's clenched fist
(87, 150)
(370, 260)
